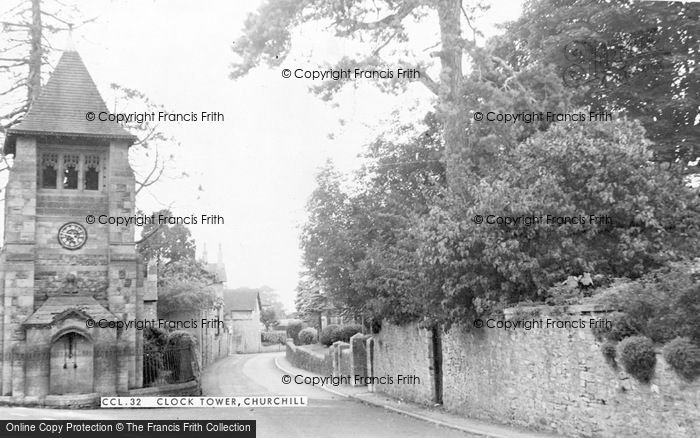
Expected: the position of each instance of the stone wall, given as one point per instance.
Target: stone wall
(552, 379)
(308, 360)
(557, 379)
(406, 351)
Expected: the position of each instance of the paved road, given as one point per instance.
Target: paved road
(327, 415)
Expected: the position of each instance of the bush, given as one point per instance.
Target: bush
(307, 336)
(663, 304)
(273, 337)
(181, 339)
(293, 330)
(154, 338)
(637, 356)
(330, 334)
(684, 357)
(348, 331)
(623, 326)
(609, 353)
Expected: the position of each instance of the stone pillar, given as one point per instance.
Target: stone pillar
(369, 343)
(358, 357)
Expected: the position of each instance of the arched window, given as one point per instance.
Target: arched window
(49, 171)
(70, 171)
(92, 172)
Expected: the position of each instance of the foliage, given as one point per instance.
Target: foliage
(166, 243)
(307, 336)
(310, 302)
(329, 335)
(663, 304)
(185, 286)
(154, 338)
(273, 337)
(399, 239)
(684, 357)
(268, 317)
(636, 56)
(636, 355)
(348, 331)
(181, 339)
(293, 330)
(609, 350)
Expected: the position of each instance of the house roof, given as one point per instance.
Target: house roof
(241, 300)
(63, 103)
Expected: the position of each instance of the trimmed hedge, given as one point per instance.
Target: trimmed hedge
(309, 335)
(273, 337)
(609, 353)
(637, 356)
(302, 358)
(684, 357)
(330, 334)
(348, 331)
(293, 330)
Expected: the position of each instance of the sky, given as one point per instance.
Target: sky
(257, 167)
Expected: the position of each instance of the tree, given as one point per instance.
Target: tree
(166, 243)
(639, 57)
(184, 285)
(268, 317)
(267, 38)
(644, 216)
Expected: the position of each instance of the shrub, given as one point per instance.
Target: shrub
(330, 334)
(637, 356)
(181, 339)
(154, 338)
(623, 326)
(293, 330)
(684, 357)
(348, 331)
(273, 337)
(609, 353)
(309, 335)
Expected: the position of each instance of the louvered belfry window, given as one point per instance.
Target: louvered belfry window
(92, 172)
(49, 171)
(70, 171)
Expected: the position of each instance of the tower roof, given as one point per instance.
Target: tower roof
(63, 103)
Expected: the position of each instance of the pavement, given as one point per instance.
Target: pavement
(435, 415)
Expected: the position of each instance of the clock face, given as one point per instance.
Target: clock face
(72, 235)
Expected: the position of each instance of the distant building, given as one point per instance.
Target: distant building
(242, 312)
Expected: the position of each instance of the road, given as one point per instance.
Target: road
(326, 415)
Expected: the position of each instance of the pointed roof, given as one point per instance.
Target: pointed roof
(63, 103)
(241, 300)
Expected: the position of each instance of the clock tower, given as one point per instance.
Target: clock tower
(60, 268)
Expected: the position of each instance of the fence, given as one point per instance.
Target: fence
(170, 365)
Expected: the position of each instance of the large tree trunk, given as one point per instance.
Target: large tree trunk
(450, 91)
(35, 54)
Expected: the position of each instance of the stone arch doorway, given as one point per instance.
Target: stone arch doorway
(71, 365)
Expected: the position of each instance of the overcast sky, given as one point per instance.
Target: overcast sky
(257, 167)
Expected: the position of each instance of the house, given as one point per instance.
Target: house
(242, 314)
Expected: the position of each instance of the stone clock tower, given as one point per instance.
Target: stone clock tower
(59, 269)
